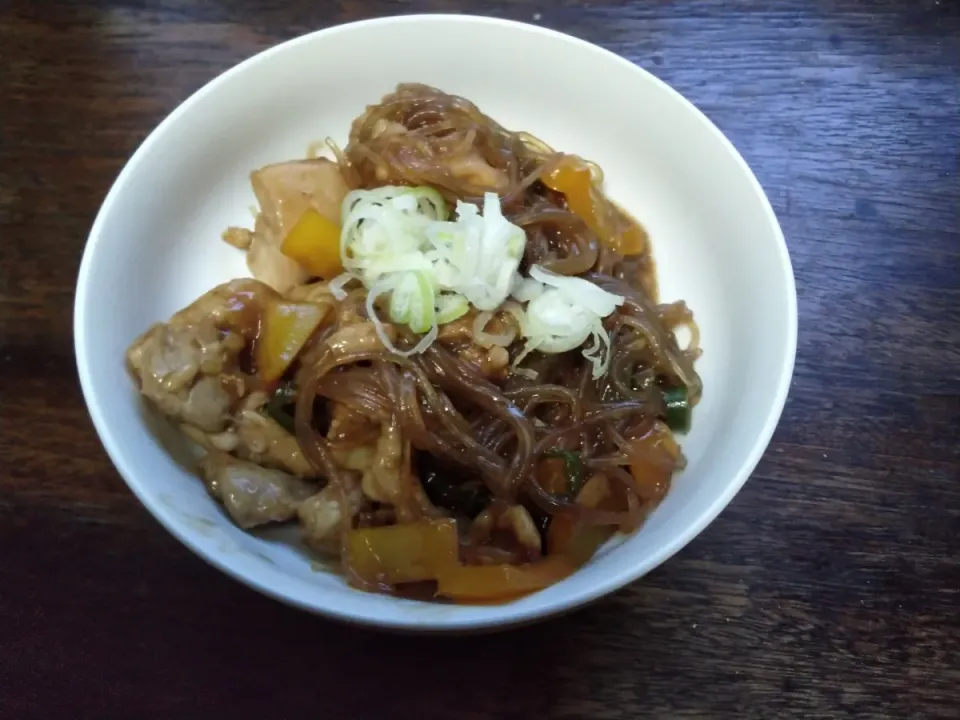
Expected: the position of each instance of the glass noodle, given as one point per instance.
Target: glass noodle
(501, 431)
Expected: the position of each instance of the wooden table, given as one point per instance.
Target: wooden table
(829, 588)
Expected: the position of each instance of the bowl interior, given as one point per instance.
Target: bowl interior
(155, 247)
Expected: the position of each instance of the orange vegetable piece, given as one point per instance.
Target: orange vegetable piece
(573, 178)
(314, 242)
(403, 553)
(489, 583)
(284, 329)
(563, 535)
(654, 459)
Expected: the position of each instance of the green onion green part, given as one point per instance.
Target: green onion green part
(677, 403)
(572, 466)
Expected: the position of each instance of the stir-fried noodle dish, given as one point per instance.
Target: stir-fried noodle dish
(451, 367)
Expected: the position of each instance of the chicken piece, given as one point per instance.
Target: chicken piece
(234, 305)
(511, 530)
(207, 405)
(459, 331)
(263, 440)
(516, 519)
(256, 438)
(474, 169)
(226, 441)
(350, 427)
(482, 527)
(255, 400)
(253, 495)
(167, 361)
(381, 482)
(238, 237)
(386, 128)
(164, 361)
(361, 337)
(181, 364)
(352, 438)
(364, 451)
(390, 481)
(284, 191)
(490, 363)
(355, 458)
(268, 264)
(352, 312)
(202, 336)
(321, 516)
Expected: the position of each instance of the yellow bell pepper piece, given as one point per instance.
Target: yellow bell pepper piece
(500, 583)
(314, 242)
(569, 548)
(284, 329)
(403, 553)
(572, 177)
(552, 475)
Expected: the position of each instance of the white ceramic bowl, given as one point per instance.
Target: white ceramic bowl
(155, 247)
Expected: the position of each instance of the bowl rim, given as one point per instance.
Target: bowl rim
(506, 617)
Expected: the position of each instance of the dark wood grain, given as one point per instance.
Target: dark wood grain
(829, 588)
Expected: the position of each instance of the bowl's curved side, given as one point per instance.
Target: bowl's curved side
(603, 84)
